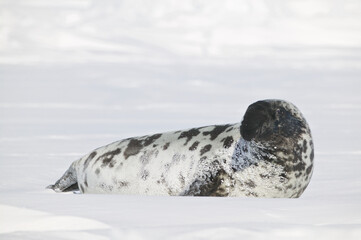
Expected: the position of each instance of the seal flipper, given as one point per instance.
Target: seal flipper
(211, 186)
(68, 182)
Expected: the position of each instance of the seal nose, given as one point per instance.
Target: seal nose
(256, 115)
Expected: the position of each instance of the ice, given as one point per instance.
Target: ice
(76, 75)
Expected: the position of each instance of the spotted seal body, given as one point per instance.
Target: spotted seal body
(270, 154)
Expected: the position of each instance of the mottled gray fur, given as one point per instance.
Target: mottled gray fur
(269, 154)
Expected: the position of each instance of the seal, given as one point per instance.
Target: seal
(269, 154)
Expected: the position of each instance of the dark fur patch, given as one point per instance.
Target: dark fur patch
(290, 125)
(300, 166)
(90, 157)
(251, 194)
(149, 140)
(133, 148)
(256, 114)
(304, 146)
(194, 146)
(229, 129)
(218, 129)
(189, 134)
(211, 186)
(86, 180)
(165, 147)
(97, 171)
(202, 159)
(135, 145)
(206, 149)
(312, 154)
(227, 142)
(108, 158)
(250, 183)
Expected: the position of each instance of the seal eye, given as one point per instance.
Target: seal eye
(286, 124)
(280, 113)
(256, 115)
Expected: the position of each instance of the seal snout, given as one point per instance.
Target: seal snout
(256, 115)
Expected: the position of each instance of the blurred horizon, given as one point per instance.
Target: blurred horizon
(252, 34)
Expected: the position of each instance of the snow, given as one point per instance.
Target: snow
(76, 75)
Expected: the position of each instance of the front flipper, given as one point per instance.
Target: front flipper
(68, 182)
(216, 185)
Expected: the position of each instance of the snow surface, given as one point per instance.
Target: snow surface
(76, 75)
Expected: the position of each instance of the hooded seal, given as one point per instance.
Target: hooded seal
(269, 154)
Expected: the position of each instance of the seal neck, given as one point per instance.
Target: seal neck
(248, 153)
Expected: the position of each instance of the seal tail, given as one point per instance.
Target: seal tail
(68, 182)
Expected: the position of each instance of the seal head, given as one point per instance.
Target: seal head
(283, 138)
(272, 120)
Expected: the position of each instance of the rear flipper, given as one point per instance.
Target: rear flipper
(68, 182)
